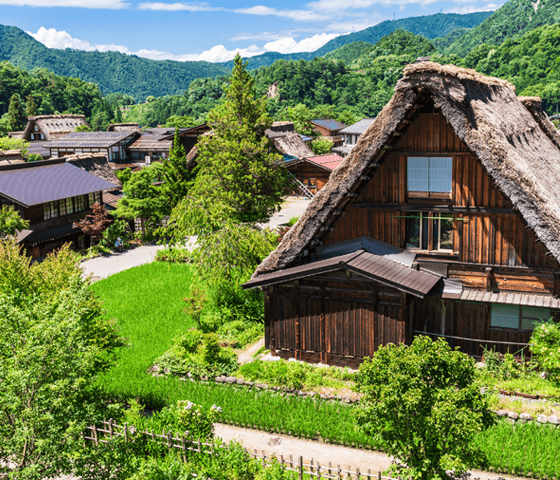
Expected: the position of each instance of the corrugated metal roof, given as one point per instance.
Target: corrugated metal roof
(37, 183)
(39, 148)
(509, 298)
(329, 123)
(374, 267)
(90, 139)
(359, 127)
(331, 160)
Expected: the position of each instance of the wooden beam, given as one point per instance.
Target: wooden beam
(416, 153)
(422, 207)
(324, 358)
(297, 308)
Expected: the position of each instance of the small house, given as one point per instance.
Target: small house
(114, 145)
(51, 127)
(150, 148)
(443, 221)
(287, 141)
(51, 195)
(351, 135)
(188, 136)
(313, 171)
(330, 129)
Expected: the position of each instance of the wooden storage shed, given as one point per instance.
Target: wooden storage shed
(444, 220)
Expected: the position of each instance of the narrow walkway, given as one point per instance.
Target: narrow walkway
(323, 453)
(105, 266)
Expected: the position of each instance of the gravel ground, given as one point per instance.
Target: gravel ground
(105, 266)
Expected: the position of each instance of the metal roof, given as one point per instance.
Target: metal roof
(377, 268)
(40, 182)
(152, 142)
(91, 139)
(359, 127)
(39, 148)
(344, 149)
(329, 123)
(509, 298)
(330, 160)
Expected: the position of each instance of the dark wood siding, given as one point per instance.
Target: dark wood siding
(303, 172)
(333, 319)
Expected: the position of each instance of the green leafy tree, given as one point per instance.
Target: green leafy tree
(180, 121)
(118, 118)
(55, 342)
(30, 106)
(301, 116)
(321, 145)
(545, 346)
(11, 221)
(143, 197)
(236, 166)
(177, 176)
(422, 406)
(16, 113)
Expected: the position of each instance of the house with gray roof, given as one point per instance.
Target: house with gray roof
(51, 195)
(329, 128)
(351, 135)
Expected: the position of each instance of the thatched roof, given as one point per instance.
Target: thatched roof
(96, 164)
(287, 141)
(124, 127)
(52, 126)
(497, 128)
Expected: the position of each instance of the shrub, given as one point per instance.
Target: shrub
(119, 228)
(173, 254)
(545, 345)
(239, 333)
(423, 407)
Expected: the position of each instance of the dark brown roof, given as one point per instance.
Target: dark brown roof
(497, 128)
(374, 267)
(149, 142)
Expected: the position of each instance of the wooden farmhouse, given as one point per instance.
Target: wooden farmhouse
(51, 195)
(330, 129)
(444, 220)
(150, 148)
(50, 127)
(313, 171)
(188, 136)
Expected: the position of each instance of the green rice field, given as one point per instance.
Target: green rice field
(147, 303)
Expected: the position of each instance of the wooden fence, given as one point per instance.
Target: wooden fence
(186, 443)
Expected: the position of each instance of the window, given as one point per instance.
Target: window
(517, 318)
(429, 231)
(62, 208)
(80, 204)
(50, 210)
(430, 174)
(69, 206)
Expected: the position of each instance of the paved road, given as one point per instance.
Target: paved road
(103, 267)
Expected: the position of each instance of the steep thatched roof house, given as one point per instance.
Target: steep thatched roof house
(444, 219)
(124, 127)
(287, 141)
(50, 127)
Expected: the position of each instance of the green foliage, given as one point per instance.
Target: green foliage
(143, 197)
(54, 344)
(177, 176)
(321, 145)
(16, 113)
(119, 228)
(282, 373)
(545, 346)
(11, 221)
(181, 121)
(412, 395)
(236, 167)
(173, 254)
(349, 52)
(292, 221)
(124, 175)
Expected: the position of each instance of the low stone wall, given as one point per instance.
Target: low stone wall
(513, 418)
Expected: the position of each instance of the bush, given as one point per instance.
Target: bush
(545, 345)
(173, 254)
(119, 228)
(239, 333)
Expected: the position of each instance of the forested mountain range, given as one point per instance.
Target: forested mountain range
(141, 77)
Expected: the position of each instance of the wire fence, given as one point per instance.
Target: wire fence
(109, 431)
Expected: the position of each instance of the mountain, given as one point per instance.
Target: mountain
(514, 18)
(429, 26)
(350, 52)
(112, 71)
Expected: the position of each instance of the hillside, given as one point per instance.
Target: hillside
(112, 71)
(514, 18)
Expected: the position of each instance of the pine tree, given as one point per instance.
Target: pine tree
(16, 114)
(30, 106)
(236, 166)
(178, 178)
(118, 116)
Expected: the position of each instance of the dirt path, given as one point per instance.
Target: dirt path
(320, 452)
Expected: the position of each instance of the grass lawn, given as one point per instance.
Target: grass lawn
(148, 303)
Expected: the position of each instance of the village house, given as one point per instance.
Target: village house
(188, 136)
(329, 129)
(51, 195)
(114, 145)
(313, 171)
(150, 148)
(124, 127)
(351, 135)
(49, 127)
(444, 220)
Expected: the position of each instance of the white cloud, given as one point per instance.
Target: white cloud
(489, 7)
(289, 45)
(108, 4)
(175, 7)
(299, 15)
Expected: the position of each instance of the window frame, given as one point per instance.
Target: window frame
(520, 316)
(429, 216)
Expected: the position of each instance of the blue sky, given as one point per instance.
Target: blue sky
(212, 30)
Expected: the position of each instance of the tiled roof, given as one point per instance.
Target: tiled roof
(329, 123)
(359, 127)
(39, 148)
(90, 139)
(40, 182)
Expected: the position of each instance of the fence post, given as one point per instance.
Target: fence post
(184, 448)
(318, 471)
(358, 473)
(199, 446)
(379, 475)
(348, 473)
(153, 436)
(330, 468)
(369, 474)
(339, 472)
(169, 436)
(300, 468)
(311, 466)
(125, 432)
(111, 428)
(95, 433)
(263, 458)
(291, 462)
